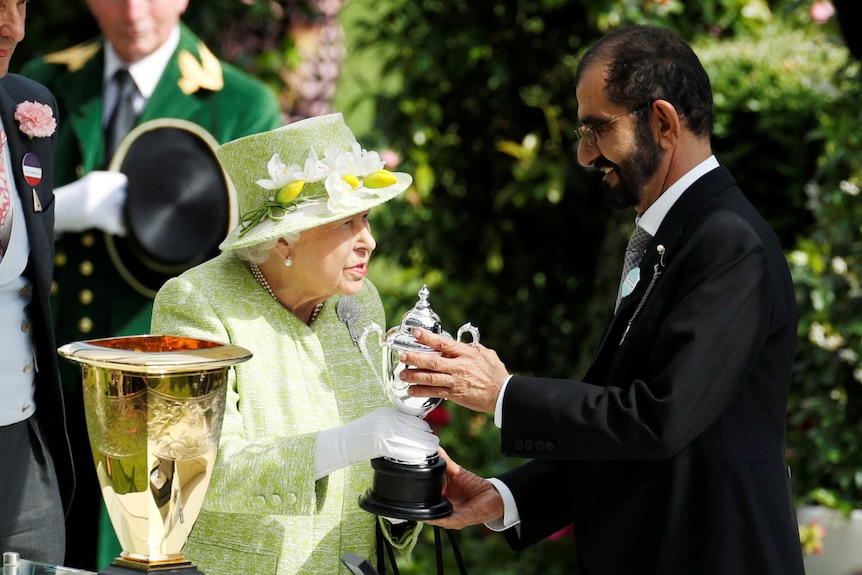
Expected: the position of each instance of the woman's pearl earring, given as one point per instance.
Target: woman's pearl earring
(288, 262)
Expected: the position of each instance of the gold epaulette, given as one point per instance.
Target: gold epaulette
(207, 74)
(75, 57)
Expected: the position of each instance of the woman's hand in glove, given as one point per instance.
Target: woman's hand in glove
(385, 432)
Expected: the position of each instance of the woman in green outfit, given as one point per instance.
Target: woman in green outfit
(306, 407)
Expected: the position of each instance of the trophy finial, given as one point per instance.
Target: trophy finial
(423, 296)
(421, 315)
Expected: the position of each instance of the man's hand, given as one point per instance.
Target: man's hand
(469, 376)
(475, 500)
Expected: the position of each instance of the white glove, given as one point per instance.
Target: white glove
(94, 201)
(384, 432)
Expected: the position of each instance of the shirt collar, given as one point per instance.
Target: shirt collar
(652, 218)
(147, 71)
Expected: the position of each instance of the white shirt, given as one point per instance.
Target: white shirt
(650, 221)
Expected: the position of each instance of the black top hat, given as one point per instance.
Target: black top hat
(180, 204)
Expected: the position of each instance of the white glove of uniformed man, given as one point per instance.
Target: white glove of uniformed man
(385, 432)
(94, 201)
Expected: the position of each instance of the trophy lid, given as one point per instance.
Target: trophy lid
(422, 316)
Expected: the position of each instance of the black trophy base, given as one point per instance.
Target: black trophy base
(411, 492)
(122, 566)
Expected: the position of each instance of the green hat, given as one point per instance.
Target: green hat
(301, 176)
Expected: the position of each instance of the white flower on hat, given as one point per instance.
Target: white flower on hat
(280, 174)
(356, 162)
(342, 192)
(314, 169)
(349, 176)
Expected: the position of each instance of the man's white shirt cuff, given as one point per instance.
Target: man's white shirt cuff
(498, 408)
(511, 517)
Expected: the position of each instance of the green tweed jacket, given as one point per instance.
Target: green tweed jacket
(264, 513)
(91, 298)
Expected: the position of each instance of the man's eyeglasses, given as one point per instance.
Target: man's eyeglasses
(589, 134)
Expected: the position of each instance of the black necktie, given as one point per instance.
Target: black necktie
(123, 117)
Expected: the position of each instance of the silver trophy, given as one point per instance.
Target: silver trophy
(154, 407)
(402, 490)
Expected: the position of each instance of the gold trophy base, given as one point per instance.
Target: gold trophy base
(121, 566)
(411, 492)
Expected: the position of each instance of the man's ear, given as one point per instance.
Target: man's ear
(666, 124)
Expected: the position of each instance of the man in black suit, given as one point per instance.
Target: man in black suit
(668, 457)
(35, 459)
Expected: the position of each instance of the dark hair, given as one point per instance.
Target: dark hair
(647, 63)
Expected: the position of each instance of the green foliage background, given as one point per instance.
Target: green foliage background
(509, 232)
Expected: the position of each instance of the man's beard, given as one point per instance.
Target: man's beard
(633, 172)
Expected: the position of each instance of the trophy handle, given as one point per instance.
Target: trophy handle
(473, 331)
(373, 362)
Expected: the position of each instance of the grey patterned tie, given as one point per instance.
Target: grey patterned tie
(123, 116)
(634, 253)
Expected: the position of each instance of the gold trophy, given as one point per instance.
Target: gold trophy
(154, 406)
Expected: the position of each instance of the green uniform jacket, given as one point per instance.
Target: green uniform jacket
(263, 512)
(91, 298)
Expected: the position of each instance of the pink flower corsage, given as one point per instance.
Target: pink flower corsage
(35, 120)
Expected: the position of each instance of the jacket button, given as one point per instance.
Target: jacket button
(60, 259)
(87, 240)
(86, 268)
(519, 445)
(86, 297)
(85, 325)
(549, 446)
(528, 444)
(54, 287)
(25, 326)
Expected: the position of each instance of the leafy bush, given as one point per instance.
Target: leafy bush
(825, 420)
(509, 233)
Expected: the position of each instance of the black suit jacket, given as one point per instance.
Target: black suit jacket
(669, 457)
(15, 89)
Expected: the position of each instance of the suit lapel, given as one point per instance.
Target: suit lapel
(34, 199)
(19, 146)
(667, 236)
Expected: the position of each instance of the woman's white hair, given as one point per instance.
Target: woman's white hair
(259, 253)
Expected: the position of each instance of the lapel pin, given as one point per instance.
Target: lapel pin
(32, 168)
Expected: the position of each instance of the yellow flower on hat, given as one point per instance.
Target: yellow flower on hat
(352, 180)
(379, 179)
(289, 192)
